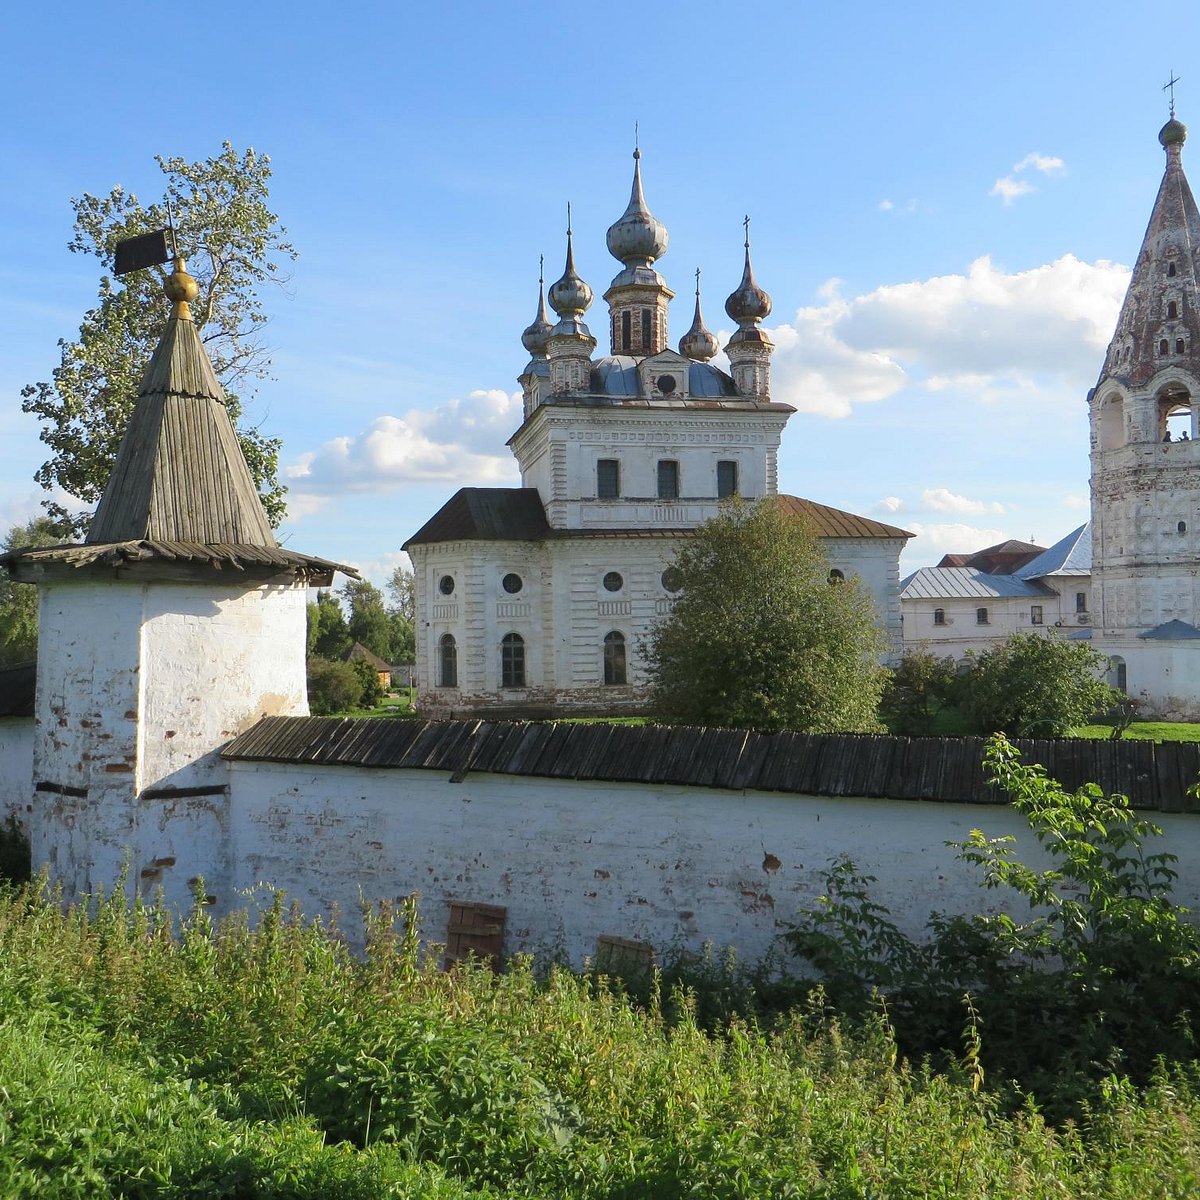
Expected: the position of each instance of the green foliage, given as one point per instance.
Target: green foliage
(368, 678)
(386, 632)
(16, 862)
(759, 638)
(918, 690)
(334, 687)
(402, 588)
(19, 601)
(1103, 974)
(234, 244)
(1035, 686)
(328, 635)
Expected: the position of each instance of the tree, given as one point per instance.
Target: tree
(333, 687)
(328, 636)
(1035, 686)
(19, 601)
(368, 622)
(234, 243)
(759, 636)
(402, 587)
(918, 688)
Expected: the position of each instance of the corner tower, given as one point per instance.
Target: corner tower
(1145, 457)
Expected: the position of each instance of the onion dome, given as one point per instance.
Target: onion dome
(639, 237)
(1173, 133)
(698, 343)
(570, 296)
(749, 304)
(536, 336)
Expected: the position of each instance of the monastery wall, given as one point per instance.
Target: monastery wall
(575, 861)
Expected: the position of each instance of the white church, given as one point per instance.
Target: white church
(535, 600)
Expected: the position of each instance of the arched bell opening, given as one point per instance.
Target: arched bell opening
(1112, 422)
(1176, 421)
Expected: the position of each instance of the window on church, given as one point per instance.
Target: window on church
(448, 660)
(512, 661)
(1181, 527)
(626, 330)
(613, 581)
(512, 583)
(836, 576)
(614, 659)
(672, 579)
(1081, 601)
(1179, 345)
(981, 616)
(647, 344)
(668, 479)
(1035, 614)
(1171, 270)
(939, 616)
(1172, 310)
(608, 479)
(446, 585)
(727, 479)
(1163, 346)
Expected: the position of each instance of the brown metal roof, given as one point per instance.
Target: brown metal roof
(486, 514)
(834, 523)
(734, 759)
(180, 475)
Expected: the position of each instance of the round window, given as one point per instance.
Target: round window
(446, 585)
(511, 583)
(613, 581)
(665, 384)
(672, 579)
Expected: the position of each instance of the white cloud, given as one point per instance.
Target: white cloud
(1009, 189)
(907, 208)
(886, 206)
(1075, 502)
(944, 500)
(934, 540)
(1046, 163)
(988, 334)
(460, 442)
(889, 504)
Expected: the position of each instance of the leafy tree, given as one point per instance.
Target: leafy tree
(368, 622)
(402, 588)
(333, 687)
(19, 601)
(234, 243)
(368, 677)
(759, 637)
(1035, 686)
(919, 688)
(328, 635)
(403, 638)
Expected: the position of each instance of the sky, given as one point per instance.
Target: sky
(945, 200)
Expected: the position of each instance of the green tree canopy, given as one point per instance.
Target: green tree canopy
(233, 243)
(759, 637)
(328, 635)
(1035, 686)
(402, 588)
(19, 601)
(918, 688)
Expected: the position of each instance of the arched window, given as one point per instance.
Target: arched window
(614, 659)
(1171, 270)
(1172, 310)
(836, 576)
(626, 330)
(1179, 345)
(939, 616)
(448, 661)
(512, 661)
(647, 348)
(1181, 527)
(1163, 346)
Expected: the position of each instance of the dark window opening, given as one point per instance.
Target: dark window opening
(1163, 346)
(446, 585)
(626, 330)
(727, 479)
(608, 479)
(836, 576)
(981, 616)
(512, 583)
(668, 479)
(1171, 270)
(665, 384)
(939, 616)
(614, 659)
(1179, 345)
(613, 582)
(1172, 310)
(647, 348)
(1181, 527)
(1035, 614)
(1081, 601)
(448, 657)
(672, 579)
(512, 661)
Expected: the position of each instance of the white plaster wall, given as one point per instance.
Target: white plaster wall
(1163, 676)
(16, 769)
(876, 562)
(571, 861)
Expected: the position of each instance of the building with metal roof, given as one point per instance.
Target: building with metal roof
(537, 600)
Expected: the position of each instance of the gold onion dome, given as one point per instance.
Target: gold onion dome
(536, 336)
(698, 343)
(570, 296)
(1173, 133)
(749, 303)
(638, 237)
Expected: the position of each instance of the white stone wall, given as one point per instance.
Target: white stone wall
(138, 685)
(574, 861)
(16, 769)
(876, 562)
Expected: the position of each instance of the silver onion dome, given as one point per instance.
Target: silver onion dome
(639, 237)
(698, 343)
(536, 336)
(1173, 133)
(570, 296)
(749, 303)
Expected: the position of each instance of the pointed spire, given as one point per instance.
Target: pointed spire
(570, 296)
(698, 343)
(536, 335)
(180, 475)
(1159, 324)
(749, 304)
(638, 238)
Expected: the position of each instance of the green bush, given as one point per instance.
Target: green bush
(368, 677)
(333, 687)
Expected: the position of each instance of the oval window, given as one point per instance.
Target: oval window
(672, 579)
(613, 581)
(446, 585)
(665, 384)
(511, 583)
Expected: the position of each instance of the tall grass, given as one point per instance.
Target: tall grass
(147, 1058)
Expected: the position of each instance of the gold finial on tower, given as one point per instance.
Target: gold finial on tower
(181, 288)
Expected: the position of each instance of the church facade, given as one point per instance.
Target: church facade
(1145, 457)
(538, 600)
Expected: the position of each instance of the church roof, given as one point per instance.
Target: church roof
(1166, 269)
(1172, 631)
(1071, 555)
(835, 523)
(1001, 559)
(962, 583)
(486, 514)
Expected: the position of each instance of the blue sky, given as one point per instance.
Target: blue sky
(944, 198)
